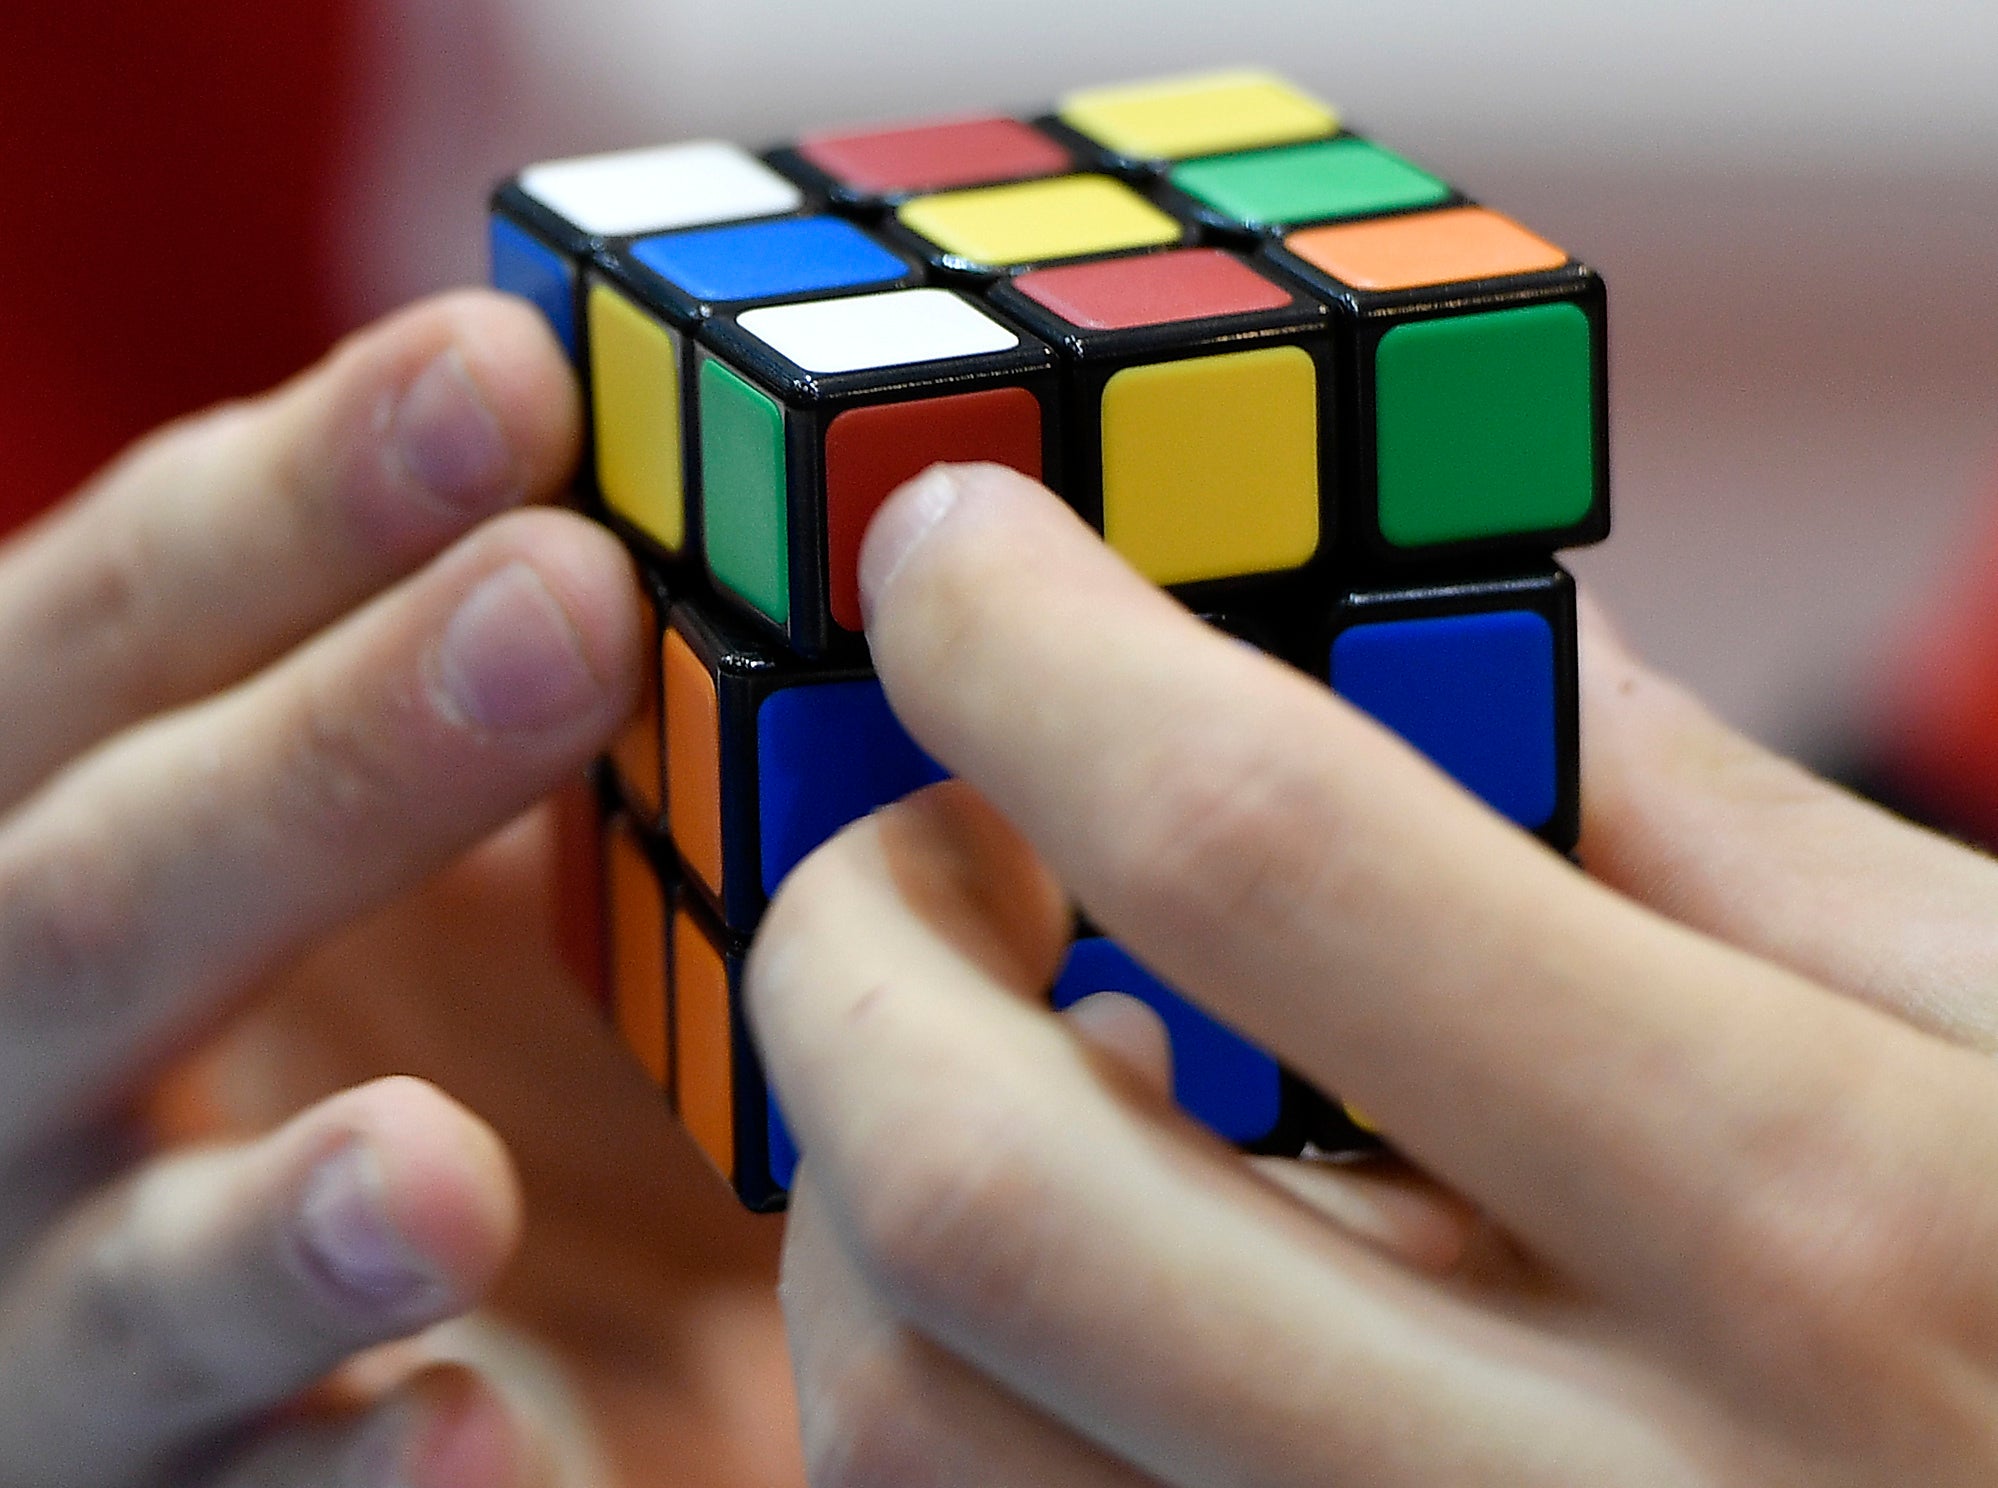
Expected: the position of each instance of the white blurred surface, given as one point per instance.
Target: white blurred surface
(1795, 206)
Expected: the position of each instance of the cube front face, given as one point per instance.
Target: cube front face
(1337, 408)
(1481, 679)
(1210, 465)
(871, 450)
(1219, 1078)
(1485, 425)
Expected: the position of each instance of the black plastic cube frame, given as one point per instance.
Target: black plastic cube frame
(1144, 171)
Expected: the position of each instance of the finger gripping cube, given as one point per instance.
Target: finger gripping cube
(1296, 377)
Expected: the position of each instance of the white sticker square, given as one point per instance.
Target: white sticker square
(866, 332)
(667, 186)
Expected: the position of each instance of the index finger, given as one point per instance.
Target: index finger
(1561, 1055)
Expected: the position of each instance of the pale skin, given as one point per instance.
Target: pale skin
(1701, 1146)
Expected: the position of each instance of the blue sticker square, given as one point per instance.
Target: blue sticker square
(1473, 692)
(783, 1147)
(524, 265)
(827, 754)
(765, 260)
(1218, 1077)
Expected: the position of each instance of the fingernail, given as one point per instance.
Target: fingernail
(350, 1243)
(510, 659)
(448, 439)
(903, 521)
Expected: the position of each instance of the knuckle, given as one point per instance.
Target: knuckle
(949, 1220)
(337, 776)
(1220, 834)
(124, 1317)
(70, 929)
(862, 1426)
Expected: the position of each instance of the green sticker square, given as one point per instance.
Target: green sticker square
(1308, 183)
(745, 516)
(1486, 425)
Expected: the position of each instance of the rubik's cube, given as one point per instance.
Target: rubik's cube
(1338, 408)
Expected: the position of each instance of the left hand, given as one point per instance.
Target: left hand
(1703, 1146)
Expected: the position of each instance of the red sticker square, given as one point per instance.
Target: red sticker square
(871, 451)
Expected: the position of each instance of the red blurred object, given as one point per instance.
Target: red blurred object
(1934, 745)
(167, 170)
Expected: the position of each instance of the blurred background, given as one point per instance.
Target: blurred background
(1795, 206)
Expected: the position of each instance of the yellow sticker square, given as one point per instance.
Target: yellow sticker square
(1036, 221)
(635, 379)
(1210, 114)
(1210, 465)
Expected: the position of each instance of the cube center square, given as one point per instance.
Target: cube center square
(1205, 114)
(1420, 249)
(770, 260)
(1486, 424)
(1344, 177)
(1000, 227)
(1211, 465)
(1174, 286)
(872, 333)
(939, 156)
(651, 190)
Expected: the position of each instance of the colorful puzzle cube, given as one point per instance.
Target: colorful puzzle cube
(1341, 410)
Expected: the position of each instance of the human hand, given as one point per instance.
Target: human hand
(1700, 1147)
(247, 700)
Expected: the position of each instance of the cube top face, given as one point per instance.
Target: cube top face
(655, 190)
(1487, 425)
(1208, 114)
(945, 155)
(874, 333)
(1153, 289)
(772, 260)
(1320, 181)
(1423, 249)
(995, 228)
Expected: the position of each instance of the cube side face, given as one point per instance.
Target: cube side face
(637, 417)
(693, 732)
(577, 887)
(640, 971)
(1479, 677)
(704, 1042)
(723, 1099)
(1211, 465)
(523, 264)
(746, 491)
(638, 752)
(1486, 425)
